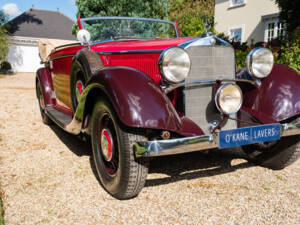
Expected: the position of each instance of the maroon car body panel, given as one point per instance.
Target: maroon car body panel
(278, 96)
(44, 77)
(137, 99)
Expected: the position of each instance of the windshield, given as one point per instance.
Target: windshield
(114, 28)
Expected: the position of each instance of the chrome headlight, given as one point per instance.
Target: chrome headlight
(175, 64)
(260, 62)
(229, 98)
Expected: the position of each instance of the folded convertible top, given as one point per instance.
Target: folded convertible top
(46, 46)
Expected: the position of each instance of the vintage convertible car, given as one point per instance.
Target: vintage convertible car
(140, 90)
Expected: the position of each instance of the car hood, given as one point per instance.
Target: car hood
(138, 45)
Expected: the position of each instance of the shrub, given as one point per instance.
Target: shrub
(289, 55)
(240, 58)
(5, 65)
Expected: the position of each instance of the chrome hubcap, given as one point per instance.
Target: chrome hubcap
(107, 145)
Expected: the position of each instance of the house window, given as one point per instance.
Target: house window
(274, 29)
(233, 3)
(280, 30)
(236, 33)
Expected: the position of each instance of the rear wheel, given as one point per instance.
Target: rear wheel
(120, 173)
(39, 94)
(84, 65)
(275, 155)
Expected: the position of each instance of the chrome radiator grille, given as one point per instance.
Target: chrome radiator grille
(208, 63)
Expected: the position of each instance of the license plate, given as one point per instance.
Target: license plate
(249, 135)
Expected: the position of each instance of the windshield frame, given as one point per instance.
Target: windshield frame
(82, 20)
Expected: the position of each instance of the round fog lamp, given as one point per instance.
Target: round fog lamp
(229, 98)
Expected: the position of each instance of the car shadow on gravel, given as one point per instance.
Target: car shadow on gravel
(74, 143)
(177, 167)
(77, 145)
(196, 165)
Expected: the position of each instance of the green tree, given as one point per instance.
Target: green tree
(3, 37)
(193, 16)
(132, 8)
(289, 12)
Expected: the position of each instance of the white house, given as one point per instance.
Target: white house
(248, 20)
(26, 31)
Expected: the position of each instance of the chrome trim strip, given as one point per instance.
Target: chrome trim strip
(204, 41)
(171, 87)
(126, 18)
(67, 45)
(191, 144)
(62, 56)
(130, 18)
(175, 146)
(130, 52)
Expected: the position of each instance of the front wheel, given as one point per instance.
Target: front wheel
(120, 173)
(275, 155)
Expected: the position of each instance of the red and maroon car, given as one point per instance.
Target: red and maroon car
(140, 90)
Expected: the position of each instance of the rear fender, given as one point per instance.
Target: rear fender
(136, 98)
(44, 77)
(278, 96)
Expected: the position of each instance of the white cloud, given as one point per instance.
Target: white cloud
(11, 10)
(73, 2)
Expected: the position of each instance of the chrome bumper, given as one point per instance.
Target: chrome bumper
(191, 144)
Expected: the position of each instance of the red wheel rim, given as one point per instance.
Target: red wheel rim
(79, 89)
(108, 145)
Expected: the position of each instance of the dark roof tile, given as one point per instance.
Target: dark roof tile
(42, 24)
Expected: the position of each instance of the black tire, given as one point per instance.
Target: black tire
(275, 155)
(121, 175)
(39, 94)
(85, 63)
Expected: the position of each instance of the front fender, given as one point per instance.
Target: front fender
(44, 77)
(278, 96)
(136, 98)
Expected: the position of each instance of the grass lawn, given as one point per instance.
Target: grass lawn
(1, 75)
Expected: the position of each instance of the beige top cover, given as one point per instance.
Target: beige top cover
(46, 46)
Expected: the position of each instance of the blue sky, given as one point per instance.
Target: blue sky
(67, 7)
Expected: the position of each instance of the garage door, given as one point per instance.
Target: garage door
(24, 58)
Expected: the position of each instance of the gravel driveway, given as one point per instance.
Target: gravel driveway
(47, 177)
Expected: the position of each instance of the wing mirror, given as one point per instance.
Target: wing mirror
(83, 36)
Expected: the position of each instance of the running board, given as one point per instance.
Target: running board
(58, 117)
(64, 121)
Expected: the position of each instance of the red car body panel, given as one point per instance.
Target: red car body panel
(138, 45)
(147, 62)
(62, 62)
